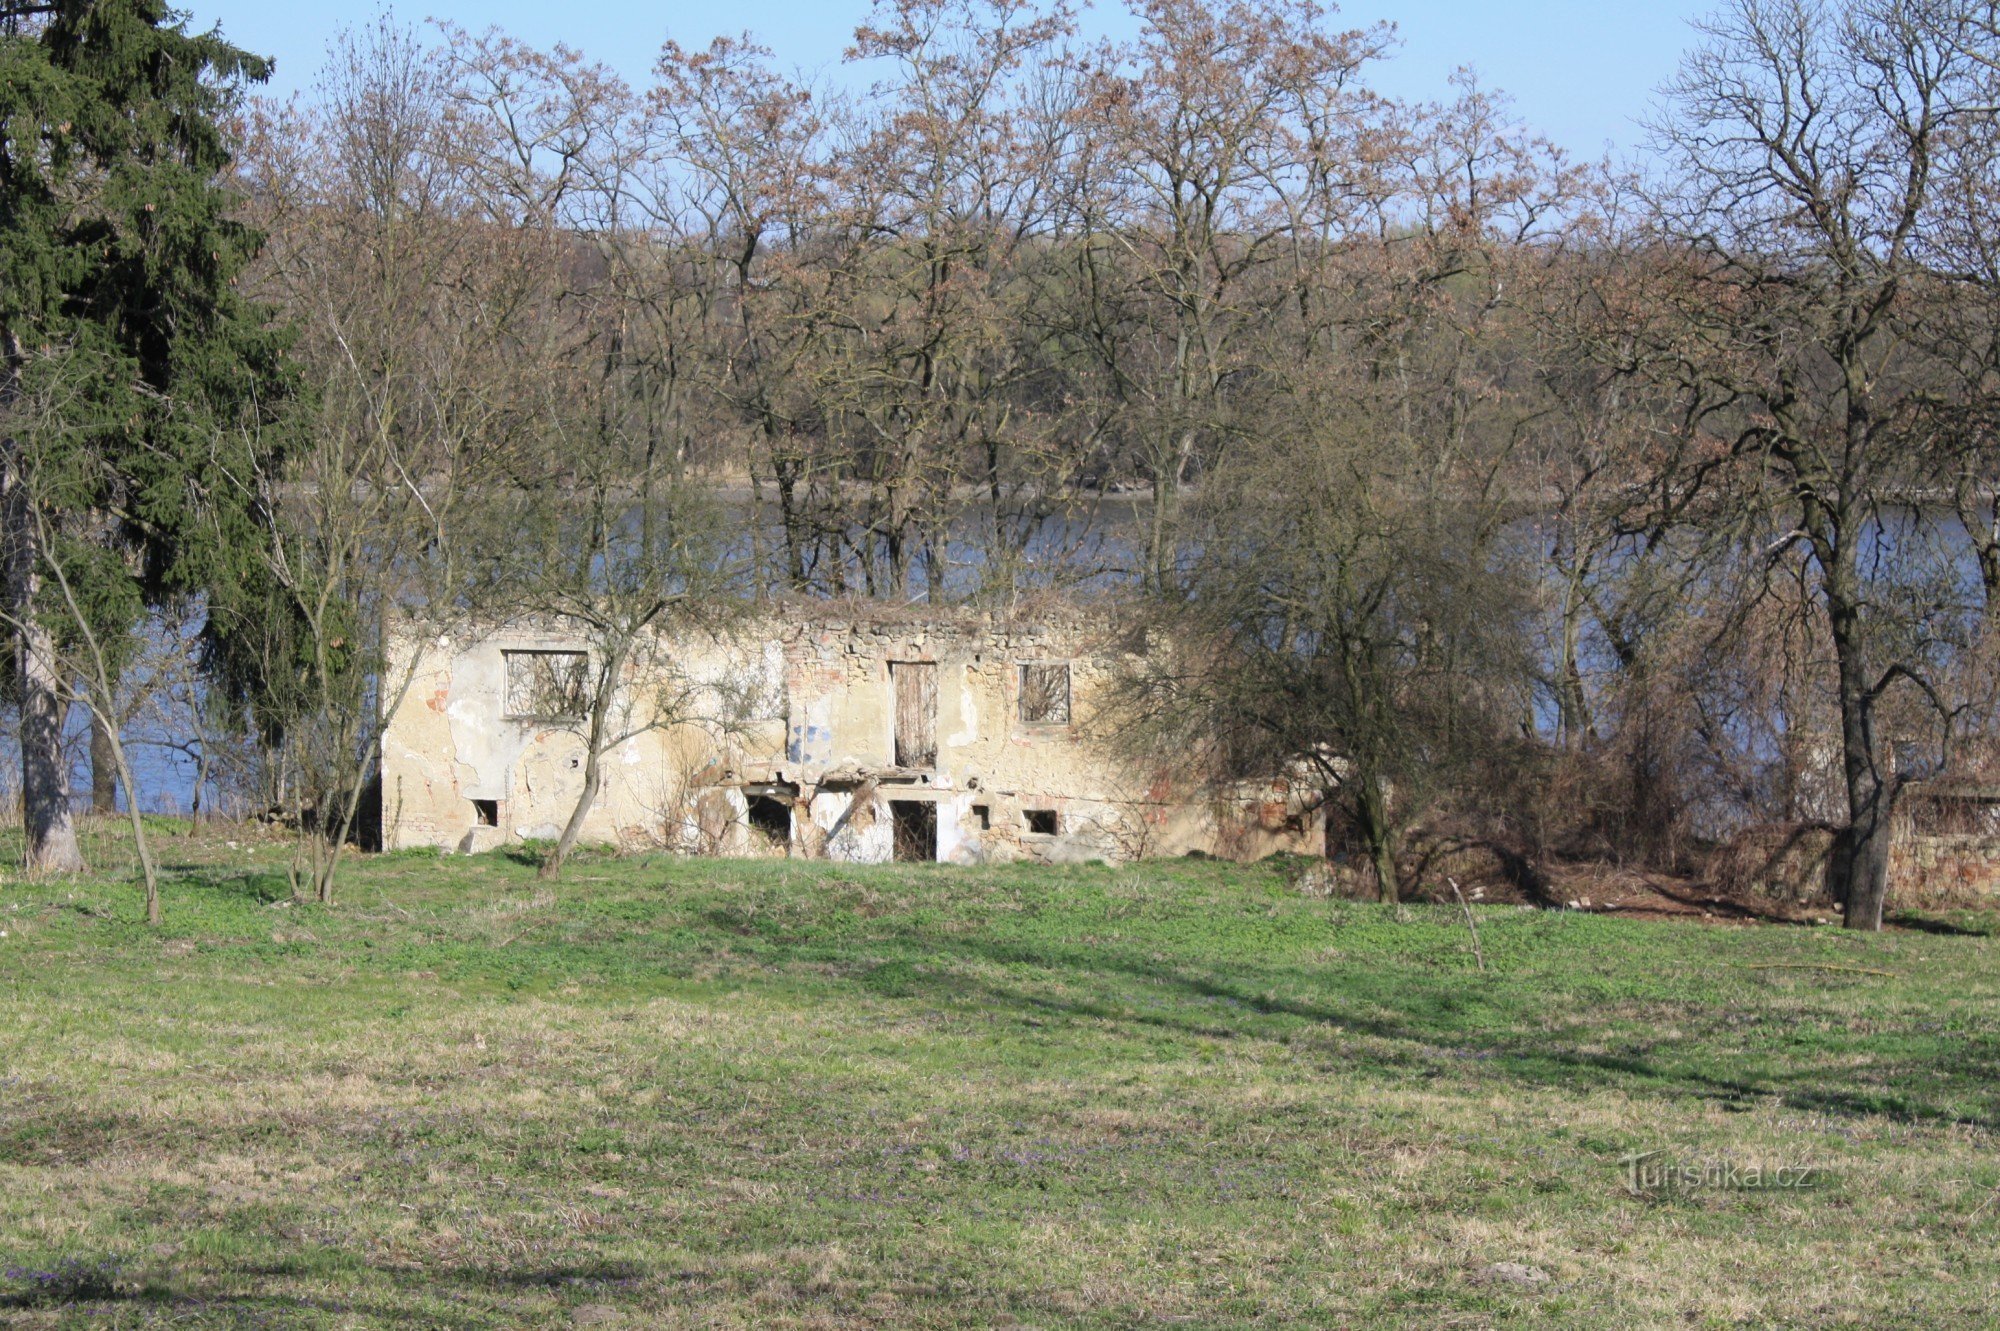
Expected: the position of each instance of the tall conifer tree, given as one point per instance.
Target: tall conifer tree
(118, 264)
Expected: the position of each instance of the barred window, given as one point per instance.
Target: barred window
(1045, 694)
(547, 686)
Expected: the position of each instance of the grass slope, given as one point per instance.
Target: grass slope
(673, 1093)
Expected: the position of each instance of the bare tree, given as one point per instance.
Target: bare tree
(611, 540)
(1798, 151)
(1212, 117)
(737, 166)
(596, 520)
(66, 628)
(1352, 608)
(416, 248)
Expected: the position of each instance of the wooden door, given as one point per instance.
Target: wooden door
(916, 712)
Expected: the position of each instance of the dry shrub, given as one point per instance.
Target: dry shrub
(1783, 862)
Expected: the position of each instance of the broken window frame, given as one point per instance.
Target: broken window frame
(549, 698)
(1051, 707)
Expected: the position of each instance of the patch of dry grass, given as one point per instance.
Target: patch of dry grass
(778, 1095)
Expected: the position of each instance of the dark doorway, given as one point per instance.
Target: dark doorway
(772, 817)
(916, 830)
(916, 712)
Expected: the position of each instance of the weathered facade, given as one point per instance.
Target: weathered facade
(956, 738)
(1945, 852)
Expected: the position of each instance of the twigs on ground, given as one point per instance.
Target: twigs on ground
(1818, 966)
(1470, 923)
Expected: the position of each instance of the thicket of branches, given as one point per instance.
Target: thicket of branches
(1576, 508)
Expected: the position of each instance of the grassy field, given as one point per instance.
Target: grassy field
(672, 1093)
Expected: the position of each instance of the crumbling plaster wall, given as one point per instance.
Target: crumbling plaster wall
(810, 712)
(842, 723)
(451, 743)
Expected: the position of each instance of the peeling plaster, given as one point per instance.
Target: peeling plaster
(821, 716)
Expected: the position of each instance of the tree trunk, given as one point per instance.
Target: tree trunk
(45, 800)
(103, 764)
(593, 778)
(1161, 546)
(790, 519)
(1572, 699)
(593, 763)
(121, 769)
(1378, 836)
(336, 835)
(1858, 874)
(50, 825)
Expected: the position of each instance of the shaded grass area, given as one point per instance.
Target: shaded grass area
(684, 1093)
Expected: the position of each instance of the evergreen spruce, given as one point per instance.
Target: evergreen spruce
(133, 375)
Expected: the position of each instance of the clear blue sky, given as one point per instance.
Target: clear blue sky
(1580, 71)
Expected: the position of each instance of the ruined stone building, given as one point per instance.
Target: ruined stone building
(1945, 833)
(961, 738)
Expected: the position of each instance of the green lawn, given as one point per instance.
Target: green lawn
(680, 1093)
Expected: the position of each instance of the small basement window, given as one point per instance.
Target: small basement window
(486, 813)
(547, 686)
(1045, 693)
(771, 816)
(982, 817)
(1042, 822)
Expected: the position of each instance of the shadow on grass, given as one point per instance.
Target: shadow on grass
(1931, 924)
(579, 1275)
(582, 1273)
(249, 1310)
(1833, 1052)
(188, 1304)
(1572, 1018)
(1702, 899)
(80, 1286)
(255, 887)
(589, 1276)
(1428, 1028)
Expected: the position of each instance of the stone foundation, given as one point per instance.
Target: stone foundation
(1789, 864)
(1945, 871)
